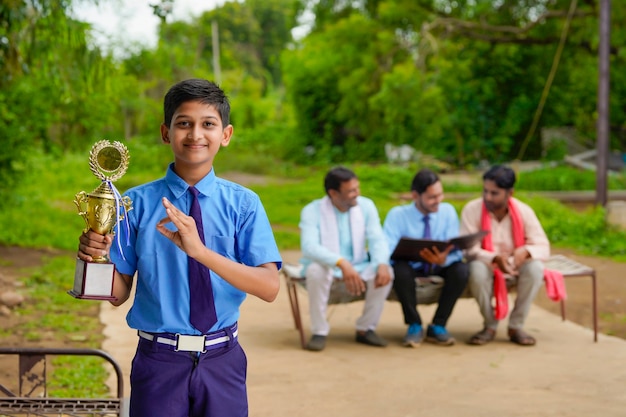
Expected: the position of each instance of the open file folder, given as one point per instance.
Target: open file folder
(409, 249)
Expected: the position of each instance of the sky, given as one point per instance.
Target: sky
(126, 22)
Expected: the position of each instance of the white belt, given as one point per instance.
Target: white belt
(188, 343)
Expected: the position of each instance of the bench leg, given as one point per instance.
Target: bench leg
(594, 305)
(292, 290)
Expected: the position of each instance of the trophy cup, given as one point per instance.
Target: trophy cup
(102, 210)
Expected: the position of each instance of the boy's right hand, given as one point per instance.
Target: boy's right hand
(93, 244)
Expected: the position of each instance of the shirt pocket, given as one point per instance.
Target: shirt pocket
(224, 245)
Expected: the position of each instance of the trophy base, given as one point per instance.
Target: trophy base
(93, 281)
(91, 297)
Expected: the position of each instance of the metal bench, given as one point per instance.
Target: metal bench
(31, 398)
(573, 269)
(428, 289)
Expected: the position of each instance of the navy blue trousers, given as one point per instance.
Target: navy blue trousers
(165, 383)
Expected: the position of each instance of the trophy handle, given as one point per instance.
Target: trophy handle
(81, 199)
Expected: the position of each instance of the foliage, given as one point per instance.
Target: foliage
(456, 80)
(48, 290)
(459, 80)
(331, 93)
(587, 232)
(55, 89)
(562, 178)
(71, 93)
(79, 377)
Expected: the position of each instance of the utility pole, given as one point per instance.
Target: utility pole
(215, 36)
(602, 127)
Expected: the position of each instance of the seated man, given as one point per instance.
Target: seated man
(336, 232)
(515, 247)
(427, 217)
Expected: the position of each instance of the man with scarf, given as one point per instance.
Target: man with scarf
(513, 250)
(341, 238)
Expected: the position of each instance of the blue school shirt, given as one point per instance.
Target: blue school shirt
(235, 226)
(408, 221)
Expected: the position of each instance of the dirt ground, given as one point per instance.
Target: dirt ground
(15, 265)
(567, 375)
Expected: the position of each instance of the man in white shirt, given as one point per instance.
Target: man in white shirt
(341, 238)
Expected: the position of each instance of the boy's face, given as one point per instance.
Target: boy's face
(195, 135)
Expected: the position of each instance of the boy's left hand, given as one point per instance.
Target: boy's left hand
(186, 237)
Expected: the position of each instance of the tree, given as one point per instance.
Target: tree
(486, 63)
(55, 90)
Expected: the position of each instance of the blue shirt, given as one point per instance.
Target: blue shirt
(235, 226)
(311, 241)
(408, 221)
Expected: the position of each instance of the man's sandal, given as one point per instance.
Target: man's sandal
(483, 337)
(521, 338)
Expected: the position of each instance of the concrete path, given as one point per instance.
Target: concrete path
(566, 374)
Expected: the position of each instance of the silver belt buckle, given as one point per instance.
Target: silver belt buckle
(187, 343)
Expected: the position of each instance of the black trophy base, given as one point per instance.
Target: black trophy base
(93, 281)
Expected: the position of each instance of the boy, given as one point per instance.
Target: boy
(180, 368)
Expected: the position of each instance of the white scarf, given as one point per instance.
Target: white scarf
(330, 234)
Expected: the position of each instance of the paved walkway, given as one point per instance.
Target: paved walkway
(565, 375)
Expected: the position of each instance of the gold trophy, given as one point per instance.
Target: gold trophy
(102, 209)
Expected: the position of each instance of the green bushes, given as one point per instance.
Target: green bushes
(563, 178)
(587, 232)
(42, 213)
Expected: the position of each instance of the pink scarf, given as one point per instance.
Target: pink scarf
(555, 284)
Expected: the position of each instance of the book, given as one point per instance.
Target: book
(408, 249)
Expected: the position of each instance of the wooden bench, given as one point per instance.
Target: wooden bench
(31, 396)
(428, 289)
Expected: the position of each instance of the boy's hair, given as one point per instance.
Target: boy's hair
(423, 179)
(503, 176)
(196, 89)
(336, 176)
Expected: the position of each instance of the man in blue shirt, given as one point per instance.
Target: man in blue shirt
(337, 232)
(180, 369)
(427, 217)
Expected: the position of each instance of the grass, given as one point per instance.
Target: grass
(41, 214)
(79, 377)
(68, 321)
(563, 178)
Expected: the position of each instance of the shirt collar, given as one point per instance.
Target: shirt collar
(179, 187)
(422, 215)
